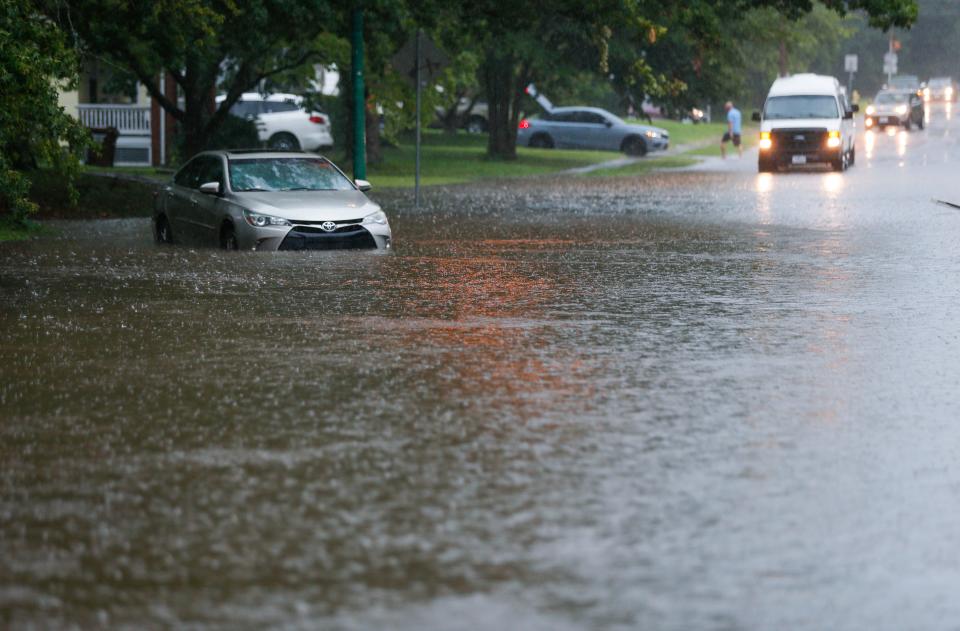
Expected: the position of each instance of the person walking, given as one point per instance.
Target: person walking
(734, 127)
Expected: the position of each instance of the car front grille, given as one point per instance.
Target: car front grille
(799, 140)
(345, 237)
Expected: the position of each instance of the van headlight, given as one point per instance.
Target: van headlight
(833, 139)
(765, 141)
(258, 220)
(901, 109)
(378, 217)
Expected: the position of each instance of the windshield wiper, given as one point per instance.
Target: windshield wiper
(254, 190)
(300, 188)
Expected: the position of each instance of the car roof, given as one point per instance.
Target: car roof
(805, 84)
(256, 96)
(579, 108)
(254, 153)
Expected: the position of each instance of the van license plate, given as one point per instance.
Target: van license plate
(799, 159)
(884, 120)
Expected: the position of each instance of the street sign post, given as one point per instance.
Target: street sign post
(850, 66)
(890, 64)
(420, 61)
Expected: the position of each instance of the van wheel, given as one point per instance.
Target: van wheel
(908, 124)
(853, 156)
(840, 164)
(284, 142)
(766, 166)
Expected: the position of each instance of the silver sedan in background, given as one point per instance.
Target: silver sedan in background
(263, 200)
(590, 128)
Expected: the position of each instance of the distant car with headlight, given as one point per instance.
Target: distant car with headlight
(806, 119)
(590, 128)
(895, 108)
(940, 89)
(266, 200)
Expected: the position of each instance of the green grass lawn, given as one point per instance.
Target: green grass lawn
(750, 136)
(10, 231)
(447, 159)
(687, 133)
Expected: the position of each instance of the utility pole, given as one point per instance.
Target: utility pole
(416, 181)
(359, 98)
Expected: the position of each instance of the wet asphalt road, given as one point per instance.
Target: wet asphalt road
(706, 399)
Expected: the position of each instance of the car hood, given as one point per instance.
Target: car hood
(830, 124)
(309, 205)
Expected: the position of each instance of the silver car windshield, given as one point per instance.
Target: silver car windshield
(286, 174)
(783, 107)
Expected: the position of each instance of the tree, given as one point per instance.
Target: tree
(203, 45)
(35, 58)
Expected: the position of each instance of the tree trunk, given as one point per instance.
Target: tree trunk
(372, 133)
(500, 85)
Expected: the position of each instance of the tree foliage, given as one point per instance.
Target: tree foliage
(203, 44)
(35, 58)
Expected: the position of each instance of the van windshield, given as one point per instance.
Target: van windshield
(781, 107)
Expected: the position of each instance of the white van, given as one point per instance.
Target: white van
(806, 119)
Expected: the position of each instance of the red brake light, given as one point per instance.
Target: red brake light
(524, 124)
(319, 120)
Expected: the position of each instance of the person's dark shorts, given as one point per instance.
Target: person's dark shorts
(727, 138)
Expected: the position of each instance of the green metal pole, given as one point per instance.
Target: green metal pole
(359, 100)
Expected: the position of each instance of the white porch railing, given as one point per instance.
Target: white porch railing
(130, 120)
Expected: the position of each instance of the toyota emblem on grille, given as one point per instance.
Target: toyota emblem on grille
(328, 226)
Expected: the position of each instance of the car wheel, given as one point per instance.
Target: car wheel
(541, 141)
(476, 125)
(284, 142)
(161, 231)
(228, 238)
(634, 147)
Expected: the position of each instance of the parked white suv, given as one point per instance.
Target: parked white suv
(282, 122)
(806, 119)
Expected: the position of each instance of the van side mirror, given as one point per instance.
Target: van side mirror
(210, 188)
(848, 114)
(756, 117)
(854, 108)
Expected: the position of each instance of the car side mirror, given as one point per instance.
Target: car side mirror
(210, 188)
(363, 185)
(755, 117)
(854, 108)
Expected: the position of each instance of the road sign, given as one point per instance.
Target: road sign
(890, 63)
(850, 63)
(432, 60)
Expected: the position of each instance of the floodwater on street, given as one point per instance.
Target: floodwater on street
(704, 399)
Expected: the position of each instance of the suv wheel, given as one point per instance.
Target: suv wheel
(284, 142)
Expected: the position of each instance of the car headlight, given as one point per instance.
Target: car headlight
(378, 217)
(258, 220)
(651, 134)
(870, 110)
(901, 109)
(948, 91)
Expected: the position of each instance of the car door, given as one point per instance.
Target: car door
(205, 206)
(593, 132)
(562, 129)
(178, 202)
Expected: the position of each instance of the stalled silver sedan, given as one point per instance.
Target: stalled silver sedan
(263, 200)
(590, 128)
